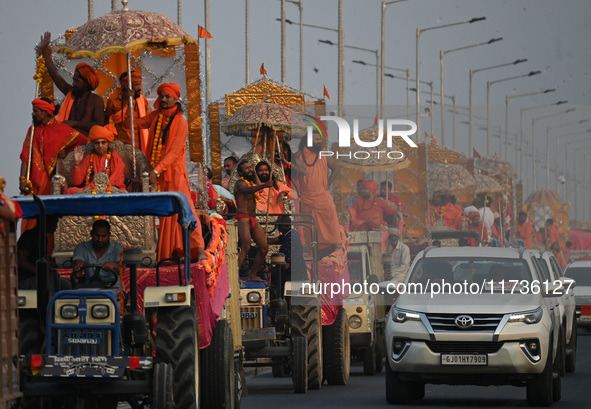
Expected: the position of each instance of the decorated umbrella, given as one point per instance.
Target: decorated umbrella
(124, 31)
(486, 184)
(496, 164)
(543, 197)
(449, 179)
(276, 117)
(373, 163)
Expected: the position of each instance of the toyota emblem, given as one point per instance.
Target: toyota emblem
(464, 321)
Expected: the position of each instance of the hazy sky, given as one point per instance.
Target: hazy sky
(552, 35)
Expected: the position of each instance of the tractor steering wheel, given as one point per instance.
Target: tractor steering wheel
(96, 276)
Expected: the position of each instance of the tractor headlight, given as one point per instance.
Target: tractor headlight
(100, 311)
(253, 297)
(355, 321)
(69, 311)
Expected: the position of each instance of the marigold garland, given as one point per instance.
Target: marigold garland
(216, 255)
(40, 69)
(257, 194)
(157, 143)
(91, 173)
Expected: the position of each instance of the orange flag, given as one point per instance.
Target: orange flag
(203, 33)
(433, 139)
(375, 121)
(326, 93)
(476, 154)
(263, 70)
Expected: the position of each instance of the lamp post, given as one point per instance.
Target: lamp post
(441, 55)
(489, 84)
(300, 4)
(521, 129)
(385, 5)
(566, 146)
(533, 140)
(377, 54)
(582, 121)
(453, 110)
(419, 32)
(507, 99)
(558, 147)
(575, 178)
(429, 83)
(472, 72)
(382, 91)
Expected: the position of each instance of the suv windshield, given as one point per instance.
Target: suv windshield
(582, 275)
(471, 270)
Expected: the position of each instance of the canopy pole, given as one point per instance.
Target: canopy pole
(131, 114)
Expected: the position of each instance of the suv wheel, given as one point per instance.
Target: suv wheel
(397, 390)
(571, 350)
(539, 389)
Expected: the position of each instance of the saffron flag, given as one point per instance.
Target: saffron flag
(203, 33)
(263, 70)
(375, 121)
(433, 139)
(326, 93)
(476, 154)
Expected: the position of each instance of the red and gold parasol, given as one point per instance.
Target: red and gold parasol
(496, 164)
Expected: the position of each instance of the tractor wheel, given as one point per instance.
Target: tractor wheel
(336, 351)
(571, 354)
(162, 386)
(306, 321)
(177, 343)
(30, 342)
(299, 365)
(379, 361)
(218, 381)
(369, 361)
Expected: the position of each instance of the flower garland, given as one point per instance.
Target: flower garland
(91, 173)
(339, 257)
(40, 69)
(157, 144)
(216, 255)
(257, 194)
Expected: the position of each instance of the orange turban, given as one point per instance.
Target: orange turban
(89, 74)
(371, 185)
(106, 132)
(473, 213)
(136, 78)
(171, 89)
(2, 183)
(44, 105)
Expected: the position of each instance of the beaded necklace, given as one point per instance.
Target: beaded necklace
(157, 144)
(313, 163)
(257, 194)
(90, 172)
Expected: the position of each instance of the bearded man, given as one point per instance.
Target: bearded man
(276, 193)
(313, 181)
(369, 210)
(117, 105)
(81, 109)
(246, 192)
(167, 155)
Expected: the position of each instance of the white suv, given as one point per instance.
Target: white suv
(476, 316)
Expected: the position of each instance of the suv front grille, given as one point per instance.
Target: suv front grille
(482, 322)
(464, 347)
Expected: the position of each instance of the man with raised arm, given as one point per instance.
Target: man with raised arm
(81, 109)
(246, 193)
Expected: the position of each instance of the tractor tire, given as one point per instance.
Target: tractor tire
(299, 366)
(379, 361)
(336, 352)
(30, 342)
(218, 381)
(306, 321)
(177, 343)
(369, 361)
(162, 386)
(571, 355)
(539, 389)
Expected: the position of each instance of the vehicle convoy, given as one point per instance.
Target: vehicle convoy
(143, 347)
(464, 321)
(566, 306)
(366, 310)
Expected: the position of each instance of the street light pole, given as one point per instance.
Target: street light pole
(385, 5)
(533, 141)
(582, 121)
(488, 86)
(441, 57)
(419, 32)
(509, 97)
(472, 72)
(558, 148)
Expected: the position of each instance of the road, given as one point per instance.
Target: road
(264, 391)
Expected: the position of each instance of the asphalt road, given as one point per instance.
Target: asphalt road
(264, 391)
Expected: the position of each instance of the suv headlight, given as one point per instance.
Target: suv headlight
(69, 311)
(527, 317)
(401, 316)
(100, 311)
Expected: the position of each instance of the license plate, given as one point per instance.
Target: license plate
(464, 359)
